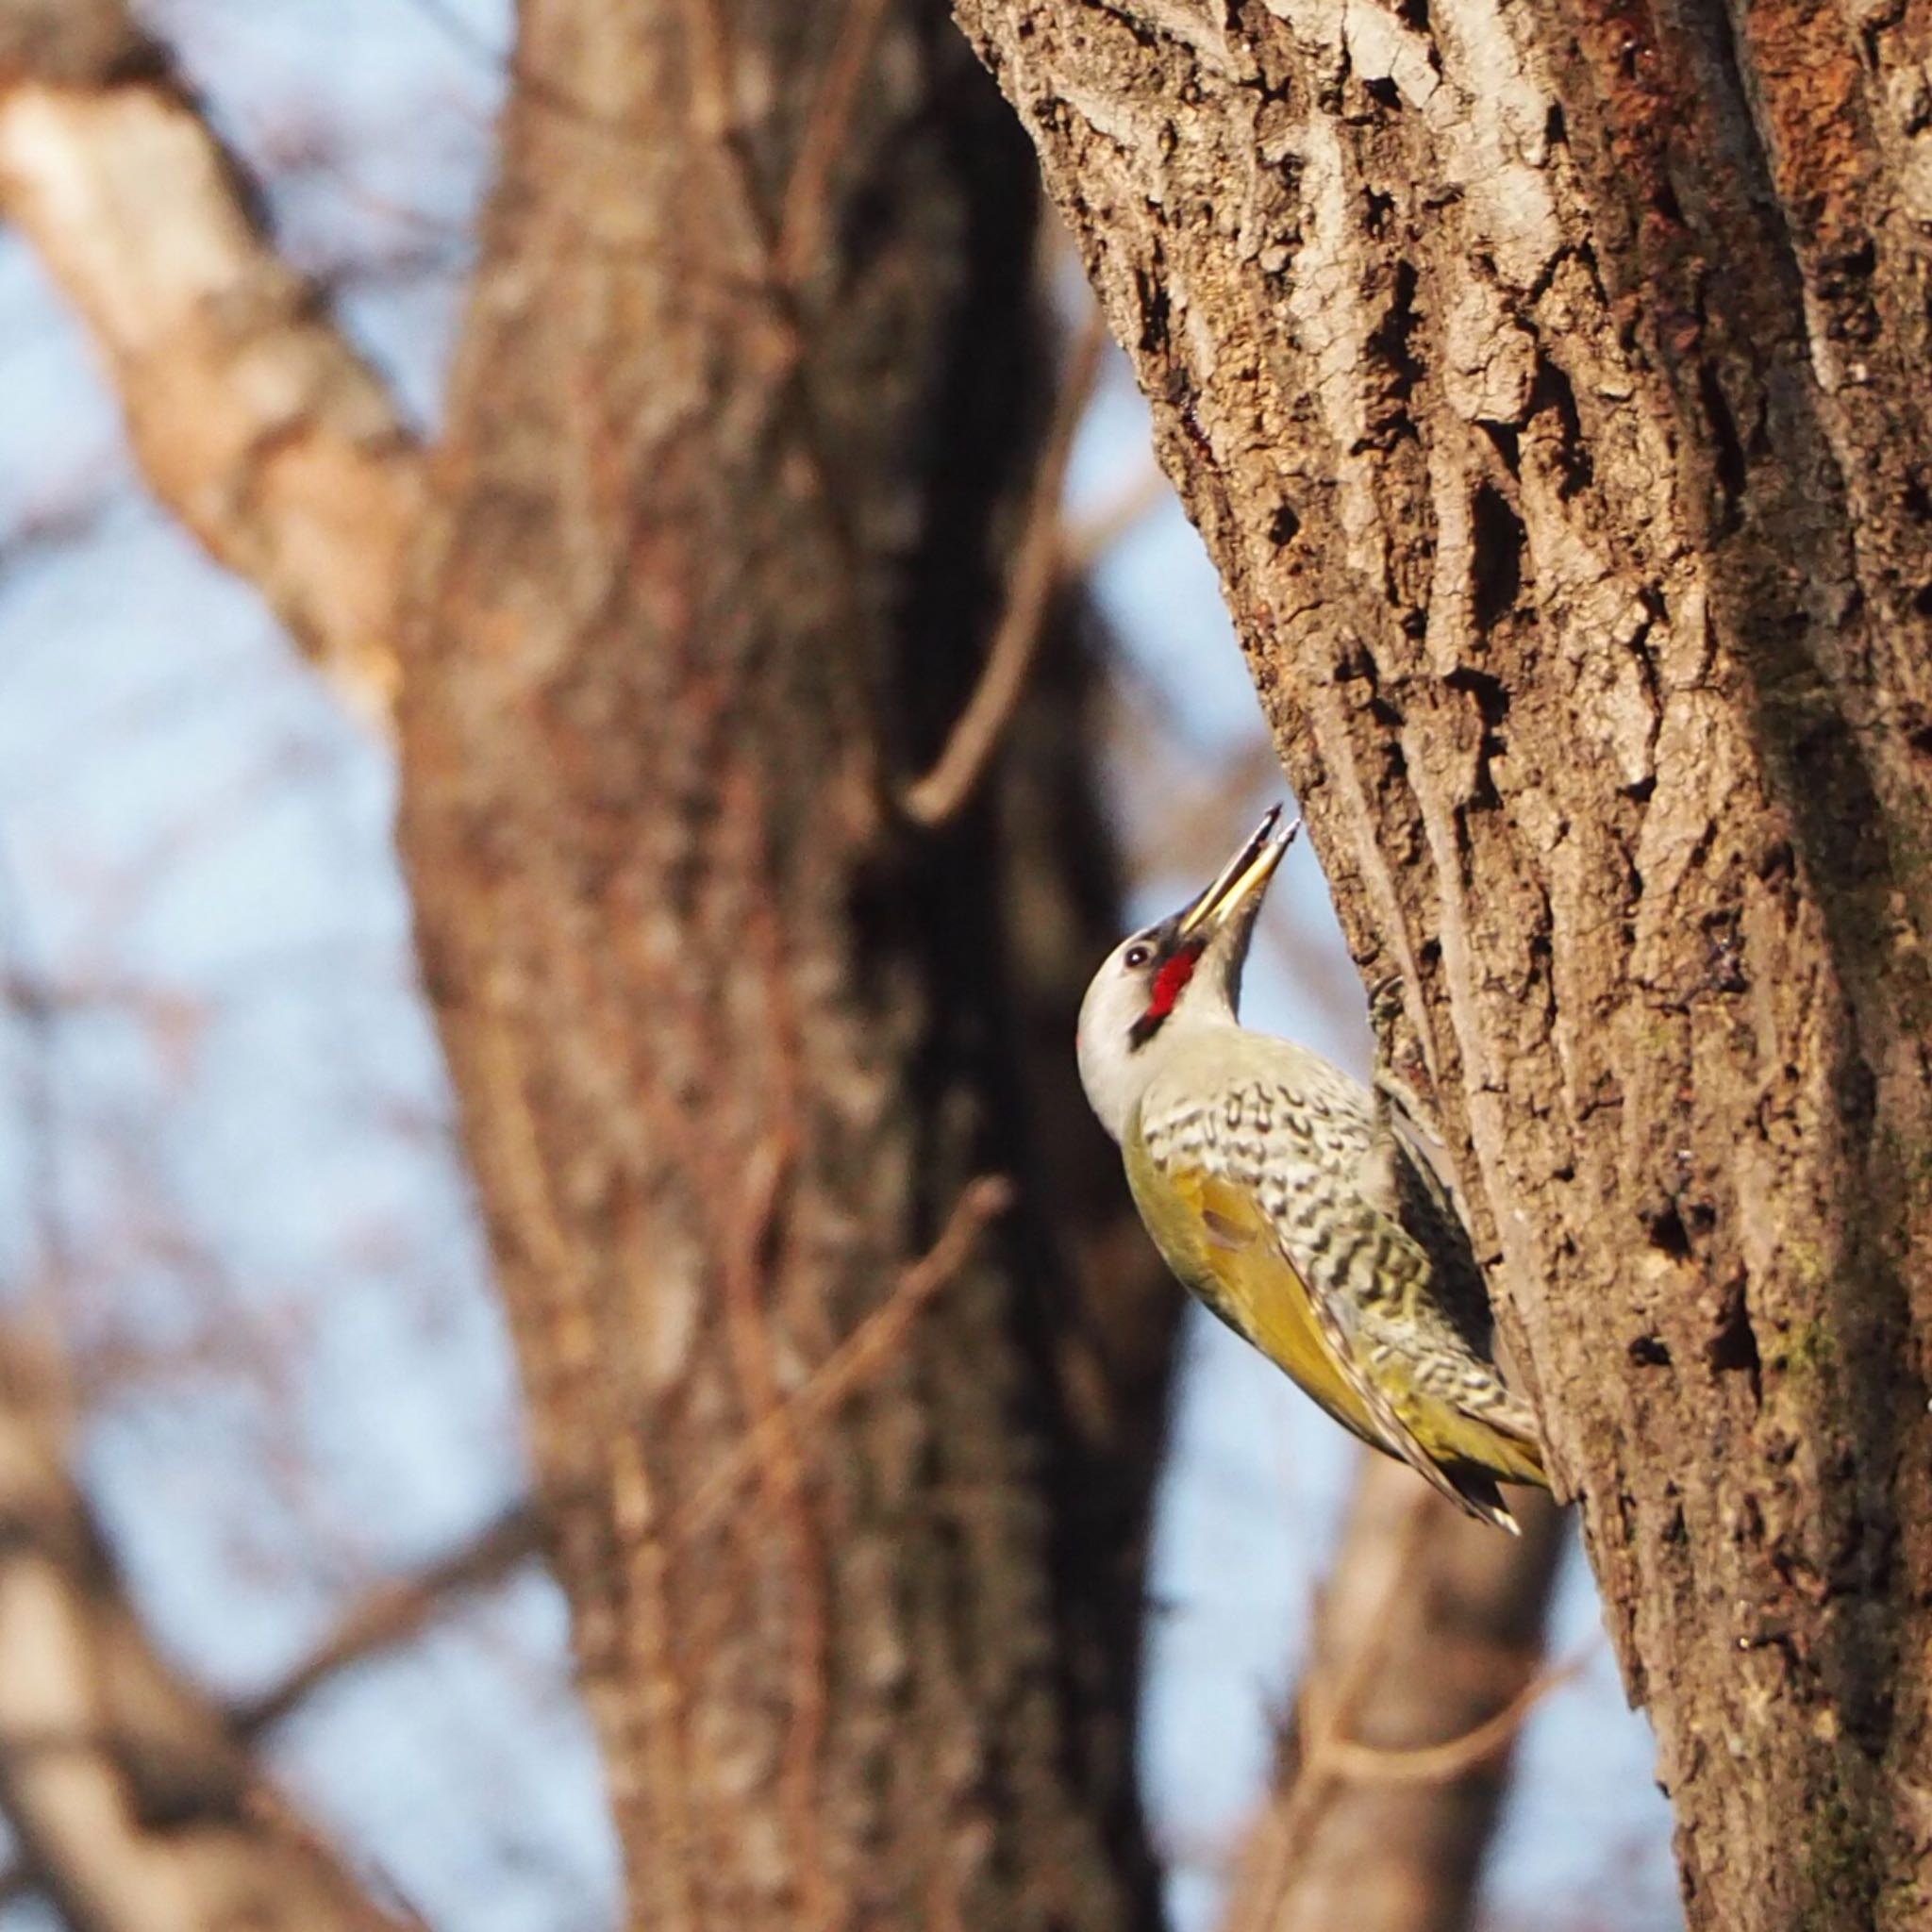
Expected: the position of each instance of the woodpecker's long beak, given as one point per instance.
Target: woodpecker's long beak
(1243, 880)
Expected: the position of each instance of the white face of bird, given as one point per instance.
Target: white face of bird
(1185, 972)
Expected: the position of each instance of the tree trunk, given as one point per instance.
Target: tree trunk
(1114, 1310)
(747, 361)
(1550, 387)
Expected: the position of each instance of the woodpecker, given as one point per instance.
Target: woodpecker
(1297, 1204)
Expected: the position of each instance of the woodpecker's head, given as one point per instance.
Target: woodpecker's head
(1184, 973)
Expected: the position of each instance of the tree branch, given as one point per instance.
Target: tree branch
(1372, 1764)
(135, 1809)
(253, 419)
(944, 789)
(391, 1613)
(861, 1355)
(808, 199)
(1425, 1666)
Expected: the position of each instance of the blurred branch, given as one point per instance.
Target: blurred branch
(802, 222)
(1371, 1575)
(135, 1809)
(861, 1355)
(52, 524)
(1426, 1663)
(944, 789)
(253, 419)
(393, 1612)
(66, 43)
(1432, 1763)
(1088, 540)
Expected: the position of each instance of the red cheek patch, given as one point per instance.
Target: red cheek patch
(1170, 982)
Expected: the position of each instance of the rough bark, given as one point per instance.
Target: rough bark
(1430, 1636)
(1113, 1310)
(704, 580)
(1549, 385)
(253, 419)
(135, 1807)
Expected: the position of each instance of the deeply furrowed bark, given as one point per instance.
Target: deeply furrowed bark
(1550, 387)
(706, 576)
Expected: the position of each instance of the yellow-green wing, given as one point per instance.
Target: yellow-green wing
(1482, 1422)
(1218, 1238)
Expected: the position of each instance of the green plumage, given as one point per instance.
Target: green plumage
(1290, 1203)
(1295, 1202)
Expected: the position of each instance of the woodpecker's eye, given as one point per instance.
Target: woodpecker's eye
(1138, 956)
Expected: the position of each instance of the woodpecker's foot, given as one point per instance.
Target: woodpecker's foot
(1385, 1006)
(1394, 1091)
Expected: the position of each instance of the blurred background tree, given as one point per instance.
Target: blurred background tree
(800, 681)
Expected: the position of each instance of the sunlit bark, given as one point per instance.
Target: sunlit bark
(255, 421)
(1549, 385)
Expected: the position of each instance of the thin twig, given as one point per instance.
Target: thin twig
(1093, 536)
(859, 1357)
(758, 1234)
(1424, 1764)
(801, 222)
(393, 1613)
(944, 789)
(1324, 1718)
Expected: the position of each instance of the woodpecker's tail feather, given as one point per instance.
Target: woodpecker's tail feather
(1477, 1491)
(1498, 1442)
(1517, 1457)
